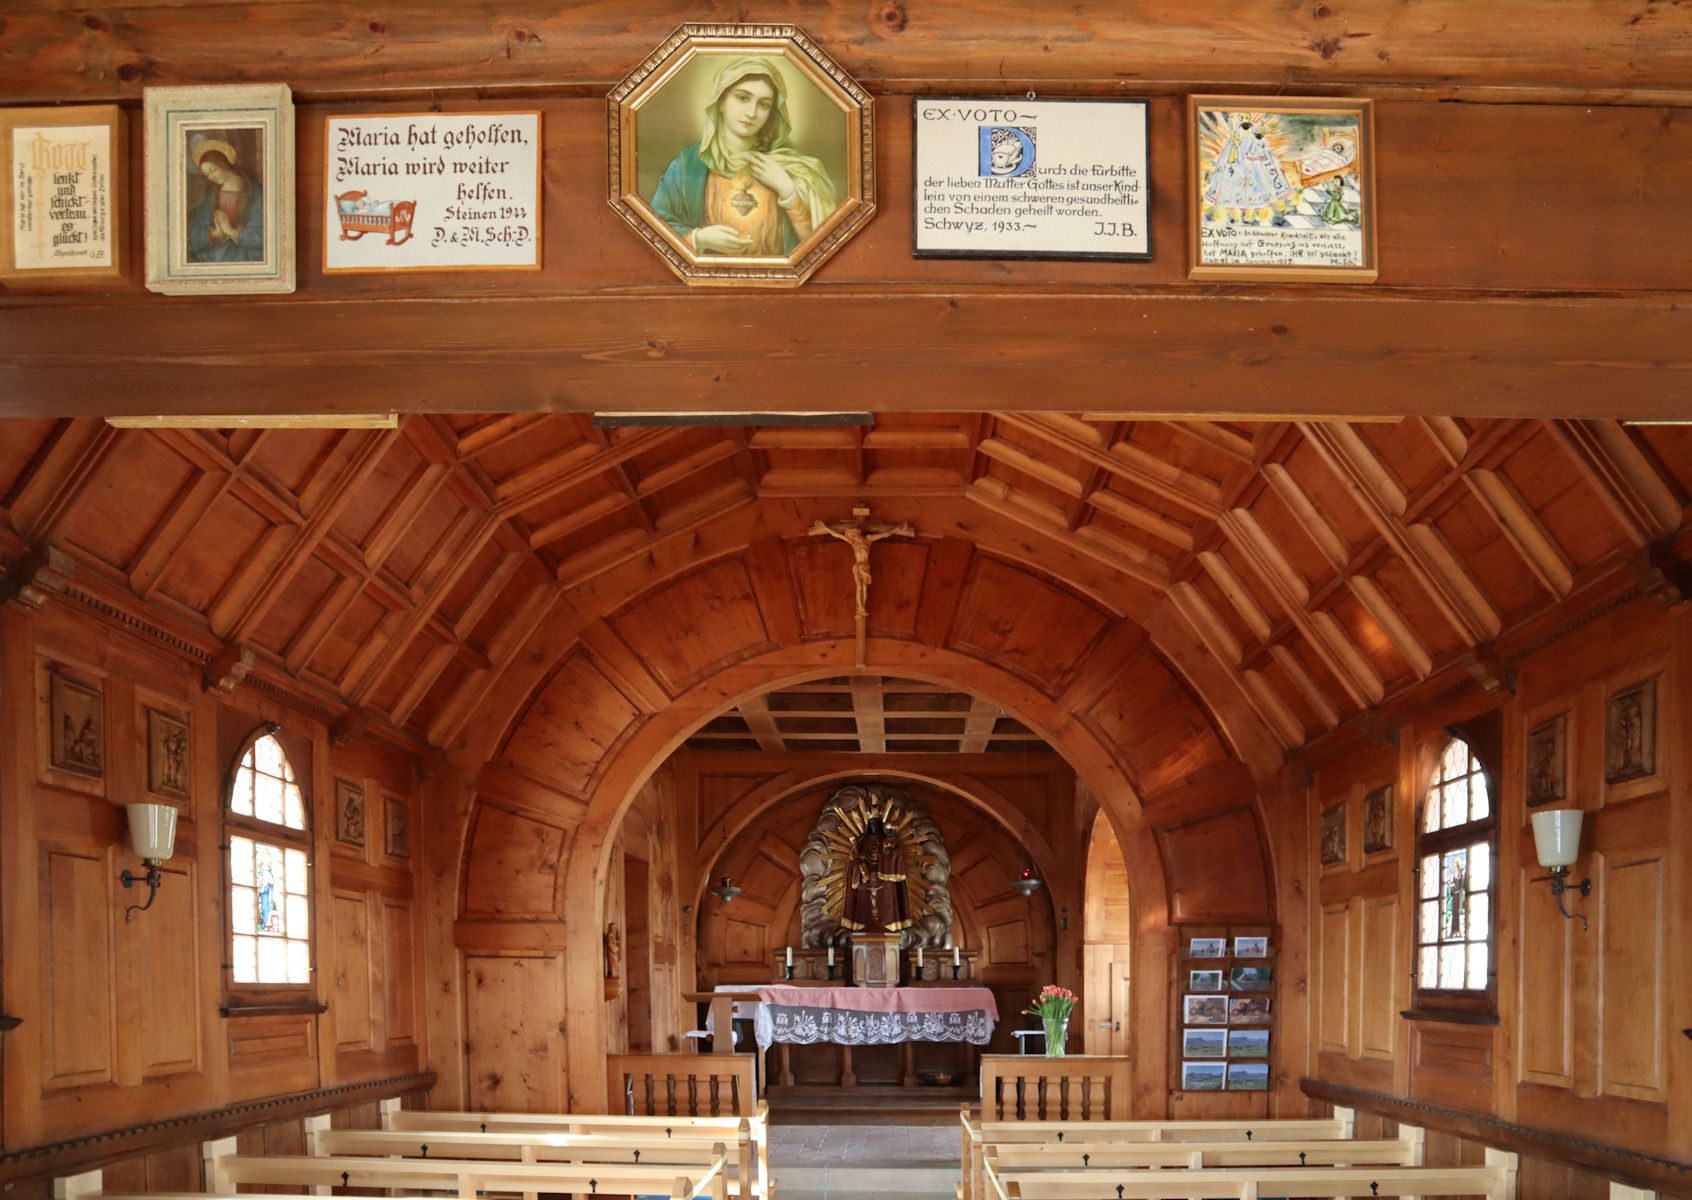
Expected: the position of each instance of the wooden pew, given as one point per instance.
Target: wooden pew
(227, 1172)
(1079, 1087)
(1495, 1181)
(650, 1148)
(698, 1129)
(977, 1136)
(1406, 1150)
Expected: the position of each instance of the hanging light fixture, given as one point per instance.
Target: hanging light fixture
(725, 891)
(1028, 882)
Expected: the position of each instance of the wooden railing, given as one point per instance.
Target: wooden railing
(1083, 1087)
(687, 1085)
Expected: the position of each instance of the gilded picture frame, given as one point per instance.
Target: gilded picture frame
(220, 189)
(1281, 189)
(742, 154)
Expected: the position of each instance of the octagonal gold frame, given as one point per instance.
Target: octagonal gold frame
(857, 113)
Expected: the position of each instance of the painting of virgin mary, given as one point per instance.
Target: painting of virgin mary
(225, 202)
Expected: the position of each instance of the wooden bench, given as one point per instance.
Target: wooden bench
(650, 1148)
(1495, 1181)
(228, 1172)
(1406, 1150)
(1080, 1087)
(978, 1136)
(697, 1129)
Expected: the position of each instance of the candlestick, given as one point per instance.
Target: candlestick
(831, 956)
(955, 959)
(955, 970)
(919, 958)
(790, 956)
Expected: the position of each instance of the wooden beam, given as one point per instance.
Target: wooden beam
(755, 711)
(983, 718)
(867, 712)
(1590, 52)
(1404, 354)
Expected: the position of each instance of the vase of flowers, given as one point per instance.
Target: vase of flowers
(1053, 1006)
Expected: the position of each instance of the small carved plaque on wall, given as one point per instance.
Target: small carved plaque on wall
(167, 755)
(1377, 820)
(1547, 761)
(77, 726)
(349, 813)
(1630, 733)
(396, 827)
(1333, 835)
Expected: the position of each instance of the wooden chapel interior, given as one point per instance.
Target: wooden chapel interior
(1194, 566)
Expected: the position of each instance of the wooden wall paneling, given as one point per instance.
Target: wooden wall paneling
(161, 1019)
(513, 1051)
(1380, 966)
(399, 1000)
(1333, 995)
(356, 989)
(1452, 1064)
(1632, 992)
(513, 865)
(78, 983)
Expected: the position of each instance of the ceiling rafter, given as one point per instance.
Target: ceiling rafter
(867, 714)
(755, 711)
(1127, 462)
(1623, 476)
(1456, 594)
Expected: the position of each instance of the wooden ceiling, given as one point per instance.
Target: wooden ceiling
(867, 714)
(386, 576)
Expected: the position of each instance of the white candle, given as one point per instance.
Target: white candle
(790, 956)
(955, 959)
(919, 958)
(831, 956)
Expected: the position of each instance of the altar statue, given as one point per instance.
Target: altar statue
(875, 883)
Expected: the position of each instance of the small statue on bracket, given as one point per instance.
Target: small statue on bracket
(613, 952)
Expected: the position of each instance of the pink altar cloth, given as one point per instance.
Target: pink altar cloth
(883, 1000)
(852, 1016)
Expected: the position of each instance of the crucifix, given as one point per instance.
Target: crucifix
(860, 536)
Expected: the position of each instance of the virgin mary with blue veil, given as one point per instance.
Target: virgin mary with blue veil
(226, 225)
(743, 189)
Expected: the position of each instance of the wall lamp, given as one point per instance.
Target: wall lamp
(152, 833)
(1556, 837)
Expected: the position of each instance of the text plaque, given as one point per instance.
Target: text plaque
(1030, 179)
(432, 192)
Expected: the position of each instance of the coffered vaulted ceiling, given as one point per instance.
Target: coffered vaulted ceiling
(392, 573)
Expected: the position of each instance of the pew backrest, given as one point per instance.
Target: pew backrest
(1083, 1087)
(692, 1085)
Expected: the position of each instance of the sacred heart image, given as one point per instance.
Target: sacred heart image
(742, 154)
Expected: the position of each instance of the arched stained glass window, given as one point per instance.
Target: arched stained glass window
(1454, 872)
(269, 869)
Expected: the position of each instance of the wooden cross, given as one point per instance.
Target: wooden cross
(860, 535)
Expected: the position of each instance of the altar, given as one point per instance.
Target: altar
(850, 1017)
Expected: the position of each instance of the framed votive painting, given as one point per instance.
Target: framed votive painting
(1281, 189)
(62, 194)
(1021, 178)
(220, 189)
(742, 154)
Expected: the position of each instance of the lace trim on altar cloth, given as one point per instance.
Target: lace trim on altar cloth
(802, 1026)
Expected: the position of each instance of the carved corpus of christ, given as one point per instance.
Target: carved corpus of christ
(860, 535)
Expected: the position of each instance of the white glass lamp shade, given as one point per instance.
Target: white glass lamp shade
(152, 830)
(1556, 836)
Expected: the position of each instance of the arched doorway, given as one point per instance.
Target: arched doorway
(1107, 925)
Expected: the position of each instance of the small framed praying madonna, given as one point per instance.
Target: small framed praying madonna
(1281, 189)
(220, 189)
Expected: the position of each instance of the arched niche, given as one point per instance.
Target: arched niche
(593, 706)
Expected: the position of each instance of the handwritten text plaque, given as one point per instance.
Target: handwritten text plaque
(62, 184)
(432, 192)
(1031, 178)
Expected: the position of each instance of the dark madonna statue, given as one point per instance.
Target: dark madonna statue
(875, 883)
